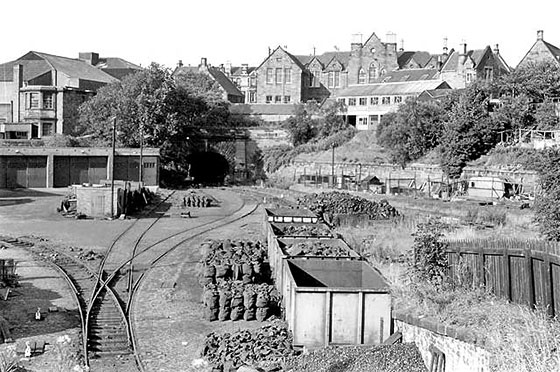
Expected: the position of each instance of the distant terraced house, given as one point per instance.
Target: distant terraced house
(40, 93)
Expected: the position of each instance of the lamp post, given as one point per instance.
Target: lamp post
(332, 167)
(113, 167)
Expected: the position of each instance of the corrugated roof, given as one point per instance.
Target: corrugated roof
(263, 109)
(224, 82)
(402, 88)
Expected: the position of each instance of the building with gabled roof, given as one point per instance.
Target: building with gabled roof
(229, 91)
(463, 66)
(40, 94)
(541, 51)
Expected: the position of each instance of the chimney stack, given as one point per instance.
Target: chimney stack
(228, 68)
(180, 64)
(356, 42)
(203, 62)
(540, 35)
(269, 51)
(402, 45)
(391, 38)
(89, 57)
(463, 48)
(244, 69)
(496, 49)
(445, 50)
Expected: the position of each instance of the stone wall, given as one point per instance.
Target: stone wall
(279, 59)
(463, 350)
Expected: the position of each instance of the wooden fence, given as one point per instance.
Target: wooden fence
(525, 272)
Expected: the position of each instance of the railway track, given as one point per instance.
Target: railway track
(108, 332)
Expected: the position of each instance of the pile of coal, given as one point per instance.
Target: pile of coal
(264, 348)
(304, 230)
(383, 358)
(316, 248)
(336, 202)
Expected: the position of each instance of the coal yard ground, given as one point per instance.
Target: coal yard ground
(185, 285)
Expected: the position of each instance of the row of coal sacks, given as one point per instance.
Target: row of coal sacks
(290, 215)
(280, 249)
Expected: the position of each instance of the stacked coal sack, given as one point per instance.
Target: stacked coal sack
(233, 260)
(235, 300)
(316, 248)
(197, 200)
(304, 230)
(263, 348)
(384, 358)
(335, 202)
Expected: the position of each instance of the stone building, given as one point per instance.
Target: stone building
(40, 94)
(245, 79)
(541, 51)
(464, 66)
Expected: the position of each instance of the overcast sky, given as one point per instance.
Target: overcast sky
(241, 31)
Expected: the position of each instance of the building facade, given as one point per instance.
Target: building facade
(40, 93)
(541, 51)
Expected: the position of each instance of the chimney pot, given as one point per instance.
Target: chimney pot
(496, 49)
(540, 35)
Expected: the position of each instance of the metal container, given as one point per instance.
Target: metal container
(334, 302)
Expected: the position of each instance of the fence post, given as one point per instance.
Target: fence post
(480, 264)
(530, 277)
(549, 286)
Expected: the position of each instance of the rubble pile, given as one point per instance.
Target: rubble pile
(383, 358)
(335, 202)
(235, 300)
(264, 348)
(316, 248)
(233, 259)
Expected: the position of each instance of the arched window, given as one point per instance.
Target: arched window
(373, 73)
(361, 76)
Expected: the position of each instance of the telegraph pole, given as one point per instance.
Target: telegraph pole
(332, 167)
(113, 168)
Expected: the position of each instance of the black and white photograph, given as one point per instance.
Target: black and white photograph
(303, 186)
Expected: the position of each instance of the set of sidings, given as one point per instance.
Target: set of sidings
(105, 297)
(521, 271)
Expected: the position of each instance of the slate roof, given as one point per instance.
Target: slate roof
(401, 88)
(420, 57)
(263, 109)
(116, 63)
(36, 64)
(553, 49)
(326, 58)
(412, 74)
(453, 60)
(236, 70)
(224, 82)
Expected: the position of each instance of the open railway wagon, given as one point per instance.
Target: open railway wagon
(305, 248)
(289, 215)
(335, 302)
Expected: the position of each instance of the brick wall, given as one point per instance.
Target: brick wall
(463, 350)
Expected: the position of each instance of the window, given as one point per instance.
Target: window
(46, 129)
(373, 73)
(397, 99)
(363, 101)
(330, 79)
(351, 101)
(47, 100)
(268, 99)
(252, 97)
(342, 100)
(469, 77)
(279, 59)
(373, 119)
(269, 76)
(149, 165)
(253, 81)
(287, 99)
(488, 73)
(278, 76)
(386, 100)
(374, 101)
(277, 99)
(336, 79)
(361, 76)
(363, 121)
(288, 75)
(33, 100)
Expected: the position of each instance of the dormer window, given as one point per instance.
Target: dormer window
(373, 73)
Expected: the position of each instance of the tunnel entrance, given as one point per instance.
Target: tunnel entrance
(208, 167)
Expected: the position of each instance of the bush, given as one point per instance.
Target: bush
(429, 262)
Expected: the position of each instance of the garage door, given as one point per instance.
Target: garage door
(75, 170)
(21, 171)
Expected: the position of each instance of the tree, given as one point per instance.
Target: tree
(412, 131)
(547, 201)
(469, 130)
(301, 126)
